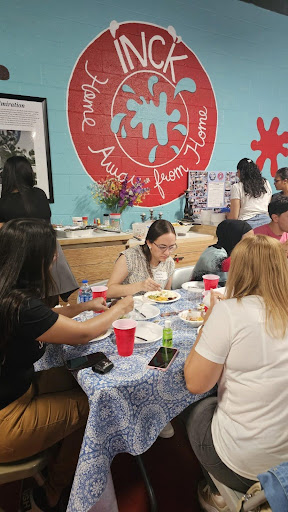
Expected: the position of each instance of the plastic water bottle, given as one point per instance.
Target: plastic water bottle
(84, 295)
(167, 339)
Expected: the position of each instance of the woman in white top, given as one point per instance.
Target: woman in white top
(243, 347)
(147, 267)
(251, 196)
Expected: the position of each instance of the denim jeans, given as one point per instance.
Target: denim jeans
(198, 427)
(259, 220)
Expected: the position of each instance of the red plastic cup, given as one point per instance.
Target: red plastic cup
(99, 291)
(210, 281)
(124, 329)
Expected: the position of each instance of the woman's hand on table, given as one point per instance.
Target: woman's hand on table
(214, 298)
(149, 285)
(98, 304)
(124, 305)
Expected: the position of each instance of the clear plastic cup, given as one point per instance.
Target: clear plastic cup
(124, 329)
(210, 281)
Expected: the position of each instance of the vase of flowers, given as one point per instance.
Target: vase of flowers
(117, 195)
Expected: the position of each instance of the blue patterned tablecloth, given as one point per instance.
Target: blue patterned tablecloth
(129, 406)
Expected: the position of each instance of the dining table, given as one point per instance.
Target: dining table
(130, 405)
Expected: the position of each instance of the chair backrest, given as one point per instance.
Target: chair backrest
(180, 276)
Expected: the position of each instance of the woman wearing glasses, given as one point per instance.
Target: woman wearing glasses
(148, 267)
(281, 182)
(251, 196)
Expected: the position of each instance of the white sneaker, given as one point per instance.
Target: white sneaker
(167, 431)
(209, 501)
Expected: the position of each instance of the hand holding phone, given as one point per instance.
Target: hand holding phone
(163, 358)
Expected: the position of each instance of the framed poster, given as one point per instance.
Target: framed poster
(210, 189)
(24, 132)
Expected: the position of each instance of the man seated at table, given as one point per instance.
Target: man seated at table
(278, 227)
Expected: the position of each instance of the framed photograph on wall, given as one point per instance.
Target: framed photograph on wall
(24, 132)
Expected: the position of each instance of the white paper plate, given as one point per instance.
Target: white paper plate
(102, 337)
(149, 331)
(148, 310)
(193, 323)
(175, 296)
(191, 285)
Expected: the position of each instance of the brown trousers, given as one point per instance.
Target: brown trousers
(53, 410)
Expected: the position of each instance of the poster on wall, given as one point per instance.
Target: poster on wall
(24, 132)
(210, 189)
(140, 103)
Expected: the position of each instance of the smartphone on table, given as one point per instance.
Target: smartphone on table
(163, 358)
(97, 360)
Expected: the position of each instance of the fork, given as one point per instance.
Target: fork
(138, 311)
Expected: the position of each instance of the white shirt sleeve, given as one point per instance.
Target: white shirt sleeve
(236, 191)
(216, 336)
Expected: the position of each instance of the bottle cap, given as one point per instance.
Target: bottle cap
(84, 281)
(167, 324)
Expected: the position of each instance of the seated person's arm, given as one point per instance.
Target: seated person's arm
(201, 374)
(70, 311)
(68, 331)
(119, 273)
(234, 209)
(168, 284)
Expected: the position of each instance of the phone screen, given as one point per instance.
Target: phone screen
(163, 357)
(84, 361)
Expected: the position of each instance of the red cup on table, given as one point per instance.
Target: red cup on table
(210, 281)
(99, 291)
(124, 329)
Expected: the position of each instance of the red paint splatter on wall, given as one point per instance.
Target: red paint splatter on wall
(270, 144)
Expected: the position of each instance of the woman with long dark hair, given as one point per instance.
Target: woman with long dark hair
(242, 346)
(216, 258)
(40, 410)
(147, 267)
(251, 196)
(20, 198)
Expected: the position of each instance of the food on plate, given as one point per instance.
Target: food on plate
(162, 296)
(193, 316)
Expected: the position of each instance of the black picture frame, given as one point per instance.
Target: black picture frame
(26, 117)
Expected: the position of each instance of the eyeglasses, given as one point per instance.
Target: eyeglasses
(276, 181)
(164, 248)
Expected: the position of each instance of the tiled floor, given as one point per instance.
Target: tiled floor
(172, 468)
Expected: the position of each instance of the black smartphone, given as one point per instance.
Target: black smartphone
(163, 358)
(103, 364)
(83, 361)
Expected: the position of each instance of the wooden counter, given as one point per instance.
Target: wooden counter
(93, 257)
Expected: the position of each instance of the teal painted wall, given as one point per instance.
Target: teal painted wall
(243, 49)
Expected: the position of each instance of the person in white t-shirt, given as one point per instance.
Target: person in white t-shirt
(243, 346)
(251, 196)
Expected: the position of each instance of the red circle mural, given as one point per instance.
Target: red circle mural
(140, 104)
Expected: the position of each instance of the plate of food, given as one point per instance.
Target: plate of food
(192, 317)
(163, 296)
(192, 285)
(147, 332)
